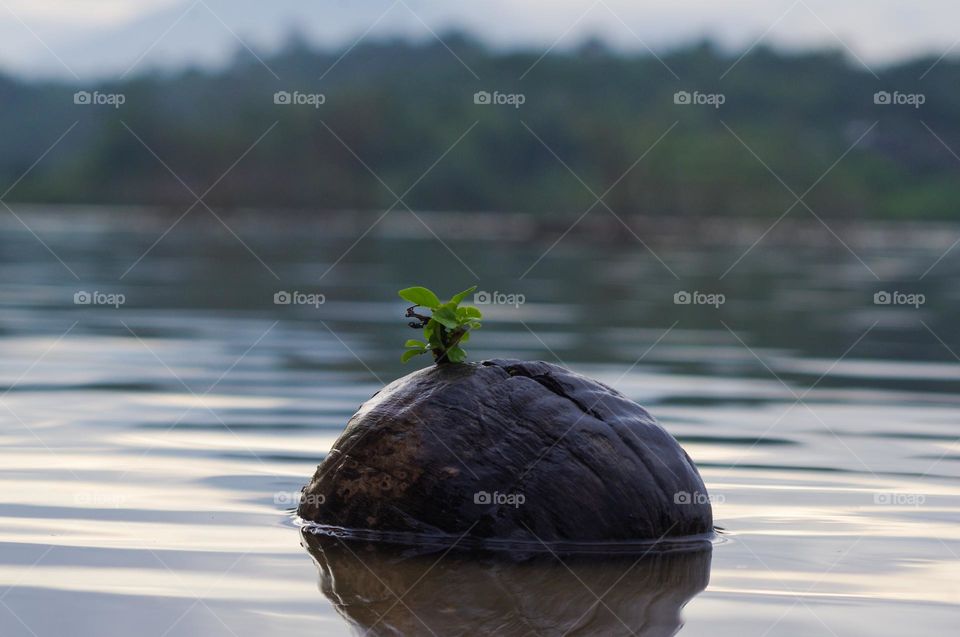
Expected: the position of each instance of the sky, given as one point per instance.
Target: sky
(82, 39)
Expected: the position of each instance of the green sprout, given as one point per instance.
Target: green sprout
(444, 331)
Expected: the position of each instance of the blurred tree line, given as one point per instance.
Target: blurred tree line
(399, 106)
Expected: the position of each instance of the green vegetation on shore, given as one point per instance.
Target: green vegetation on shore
(391, 110)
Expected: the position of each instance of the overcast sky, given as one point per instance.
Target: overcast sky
(84, 38)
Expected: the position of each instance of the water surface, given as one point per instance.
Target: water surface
(152, 451)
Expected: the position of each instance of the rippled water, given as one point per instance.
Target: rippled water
(151, 452)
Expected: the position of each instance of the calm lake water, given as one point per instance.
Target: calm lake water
(152, 452)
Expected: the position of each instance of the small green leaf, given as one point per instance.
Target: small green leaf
(415, 343)
(467, 313)
(420, 296)
(456, 355)
(450, 324)
(410, 353)
(465, 338)
(430, 331)
(446, 317)
(457, 298)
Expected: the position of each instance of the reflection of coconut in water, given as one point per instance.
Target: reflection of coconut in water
(386, 590)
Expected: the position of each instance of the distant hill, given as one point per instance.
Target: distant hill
(94, 40)
(207, 34)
